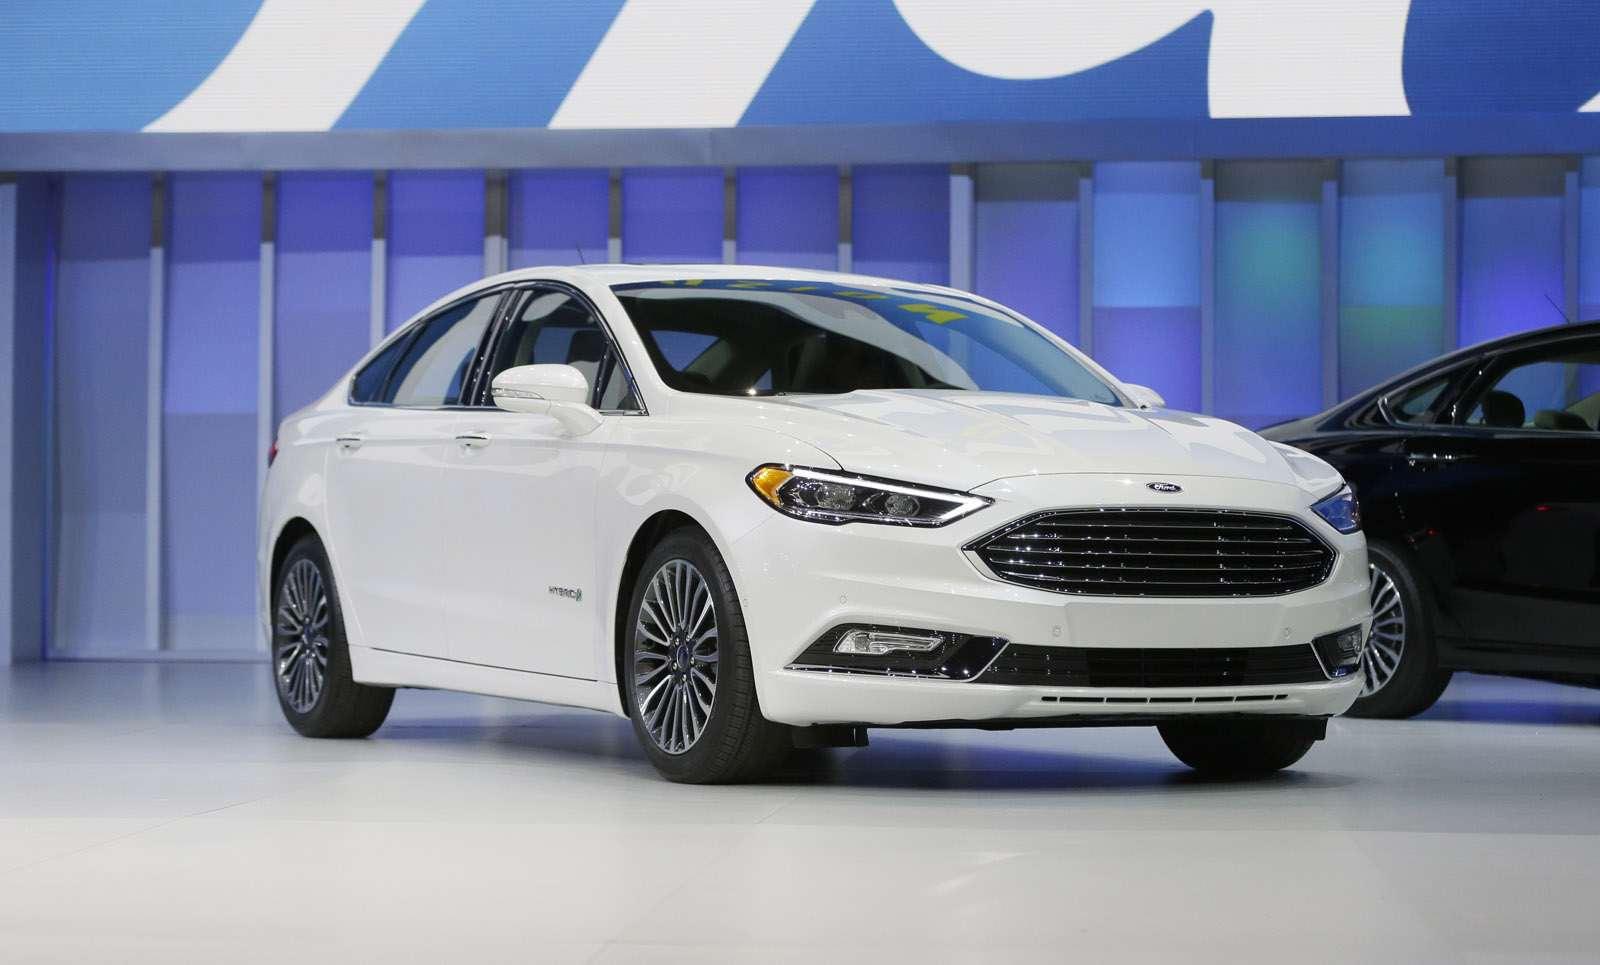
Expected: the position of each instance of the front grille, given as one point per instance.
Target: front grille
(1025, 665)
(1158, 552)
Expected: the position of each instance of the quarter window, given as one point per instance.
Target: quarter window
(434, 367)
(1412, 405)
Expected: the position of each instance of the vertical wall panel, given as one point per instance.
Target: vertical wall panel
(209, 404)
(1391, 269)
(1511, 245)
(789, 216)
(672, 215)
(1147, 275)
(436, 221)
(26, 252)
(1027, 241)
(556, 213)
(900, 222)
(1589, 239)
(100, 386)
(1268, 326)
(323, 283)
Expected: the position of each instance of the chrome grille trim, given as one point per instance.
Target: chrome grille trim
(1145, 551)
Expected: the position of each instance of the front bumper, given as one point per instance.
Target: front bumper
(798, 579)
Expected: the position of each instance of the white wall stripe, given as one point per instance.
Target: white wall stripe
(296, 68)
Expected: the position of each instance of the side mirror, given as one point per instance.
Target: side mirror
(558, 391)
(1142, 395)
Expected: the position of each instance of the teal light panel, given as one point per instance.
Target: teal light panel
(1391, 269)
(1268, 321)
(1147, 275)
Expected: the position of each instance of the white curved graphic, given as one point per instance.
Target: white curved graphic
(691, 63)
(1269, 58)
(1035, 39)
(296, 68)
(1591, 105)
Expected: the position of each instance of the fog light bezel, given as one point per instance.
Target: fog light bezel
(1337, 659)
(958, 656)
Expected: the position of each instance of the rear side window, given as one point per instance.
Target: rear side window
(434, 366)
(1413, 404)
(369, 381)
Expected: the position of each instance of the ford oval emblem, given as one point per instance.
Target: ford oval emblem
(1164, 487)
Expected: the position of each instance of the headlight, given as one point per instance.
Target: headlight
(1340, 511)
(836, 498)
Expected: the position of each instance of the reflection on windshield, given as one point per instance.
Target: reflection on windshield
(736, 337)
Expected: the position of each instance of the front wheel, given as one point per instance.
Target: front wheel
(689, 681)
(1400, 662)
(1241, 747)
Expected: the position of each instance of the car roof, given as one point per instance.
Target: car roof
(624, 274)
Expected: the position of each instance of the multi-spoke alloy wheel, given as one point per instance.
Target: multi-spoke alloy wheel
(675, 650)
(1400, 663)
(1386, 643)
(684, 661)
(310, 656)
(302, 625)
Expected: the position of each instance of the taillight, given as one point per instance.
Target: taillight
(272, 452)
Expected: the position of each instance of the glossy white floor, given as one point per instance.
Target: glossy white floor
(165, 813)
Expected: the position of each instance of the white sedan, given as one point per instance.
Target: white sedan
(753, 509)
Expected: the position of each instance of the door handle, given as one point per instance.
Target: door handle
(349, 442)
(1432, 457)
(473, 440)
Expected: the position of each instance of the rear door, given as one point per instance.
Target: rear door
(385, 503)
(1505, 504)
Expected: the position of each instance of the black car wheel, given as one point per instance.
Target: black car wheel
(310, 658)
(1241, 747)
(1402, 672)
(689, 682)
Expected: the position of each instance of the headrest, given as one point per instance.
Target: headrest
(1504, 410)
(1560, 419)
(587, 345)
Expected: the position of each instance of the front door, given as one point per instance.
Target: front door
(520, 590)
(1507, 499)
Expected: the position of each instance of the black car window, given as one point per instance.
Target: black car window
(554, 327)
(368, 385)
(1413, 404)
(436, 361)
(1556, 389)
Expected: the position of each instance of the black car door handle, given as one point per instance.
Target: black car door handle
(1432, 457)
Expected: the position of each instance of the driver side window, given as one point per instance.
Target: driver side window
(1556, 389)
(553, 327)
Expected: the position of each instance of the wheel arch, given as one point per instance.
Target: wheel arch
(651, 532)
(293, 530)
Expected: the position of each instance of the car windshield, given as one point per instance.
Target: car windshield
(740, 337)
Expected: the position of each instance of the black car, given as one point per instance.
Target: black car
(1478, 479)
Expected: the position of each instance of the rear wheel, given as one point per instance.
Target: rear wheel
(310, 658)
(690, 685)
(1241, 747)
(1400, 663)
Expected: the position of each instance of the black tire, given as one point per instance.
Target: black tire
(734, 743)
(340, 707)
(1413, 685)
(1241, 748)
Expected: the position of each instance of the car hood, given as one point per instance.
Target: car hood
(962, 439)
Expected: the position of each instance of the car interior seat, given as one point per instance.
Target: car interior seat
(1559, 419)
(1504, 410)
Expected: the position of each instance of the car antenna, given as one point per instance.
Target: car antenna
(1558, 308)
(581, 260)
